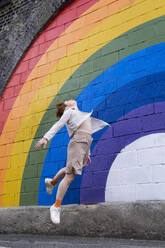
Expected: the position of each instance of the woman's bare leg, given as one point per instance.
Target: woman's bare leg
(60, 174)
(55, 209)
(63, 186)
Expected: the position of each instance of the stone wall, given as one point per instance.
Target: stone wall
(20, 22)
(109, 56)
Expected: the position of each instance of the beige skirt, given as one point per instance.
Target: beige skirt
(77, 153)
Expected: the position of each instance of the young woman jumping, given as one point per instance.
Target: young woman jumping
(80, 126)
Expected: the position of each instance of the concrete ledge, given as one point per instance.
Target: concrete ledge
(140, 220)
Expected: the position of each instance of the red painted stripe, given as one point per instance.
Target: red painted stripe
(65, 18)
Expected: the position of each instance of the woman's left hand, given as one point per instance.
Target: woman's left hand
(88, 161)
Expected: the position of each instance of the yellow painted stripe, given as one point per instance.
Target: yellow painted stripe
(95, 14)
(138, 13)
(38, 75)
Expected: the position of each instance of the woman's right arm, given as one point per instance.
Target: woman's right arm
(54, 129)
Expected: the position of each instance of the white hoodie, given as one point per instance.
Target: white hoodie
(73, 118)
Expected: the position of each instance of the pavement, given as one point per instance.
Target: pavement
(52, 241)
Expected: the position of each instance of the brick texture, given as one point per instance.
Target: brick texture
(93, 52)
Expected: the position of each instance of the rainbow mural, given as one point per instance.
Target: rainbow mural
(109, 56)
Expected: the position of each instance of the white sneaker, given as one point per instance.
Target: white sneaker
(49, 186)
(55, 214)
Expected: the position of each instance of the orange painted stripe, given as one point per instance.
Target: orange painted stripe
(39, 47)
(41, 69)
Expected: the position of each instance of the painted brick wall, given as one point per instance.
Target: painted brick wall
(20, 23)
(109, 56)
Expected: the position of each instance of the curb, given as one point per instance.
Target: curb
(140, 220)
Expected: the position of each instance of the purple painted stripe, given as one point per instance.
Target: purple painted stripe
(135, 124)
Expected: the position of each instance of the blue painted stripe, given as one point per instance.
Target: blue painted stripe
(139, 65)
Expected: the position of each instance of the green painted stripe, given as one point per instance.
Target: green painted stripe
(143, 36)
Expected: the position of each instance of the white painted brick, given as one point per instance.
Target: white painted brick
(156, 155)
(160, 140)
(153, 191)
(130, 148)
(148, 141)
(136, 175)
(158, 173)
(126, 159)
(114, 177)
(113, 194)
